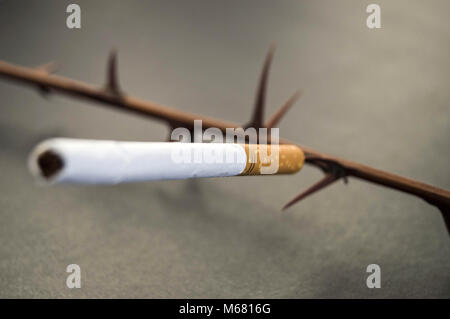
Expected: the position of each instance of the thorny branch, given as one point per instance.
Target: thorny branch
(334, 168)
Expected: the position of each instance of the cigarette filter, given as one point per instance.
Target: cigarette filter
(282, 159)
(64, 160)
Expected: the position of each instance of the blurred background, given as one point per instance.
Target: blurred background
(376, 96)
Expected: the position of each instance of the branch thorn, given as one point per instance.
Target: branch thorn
(324, 182)
(260, 100)
(276, 117)
(48, 68)
(333, 171)
(112, 81)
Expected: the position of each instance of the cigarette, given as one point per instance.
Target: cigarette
(80, 161)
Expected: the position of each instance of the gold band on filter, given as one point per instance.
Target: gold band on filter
(260, 157)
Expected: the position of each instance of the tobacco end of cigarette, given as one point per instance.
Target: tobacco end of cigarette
(46, 162)
(49, 164)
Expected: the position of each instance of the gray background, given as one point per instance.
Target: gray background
(379, 97)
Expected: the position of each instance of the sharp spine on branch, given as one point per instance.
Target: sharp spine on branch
(112, 80)
(260, 100)
(48, 68)
(276, 117)
(333, 171)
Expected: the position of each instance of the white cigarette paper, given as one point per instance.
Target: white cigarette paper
(64, 160)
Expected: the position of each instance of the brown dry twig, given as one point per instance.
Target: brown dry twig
(333, 167)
